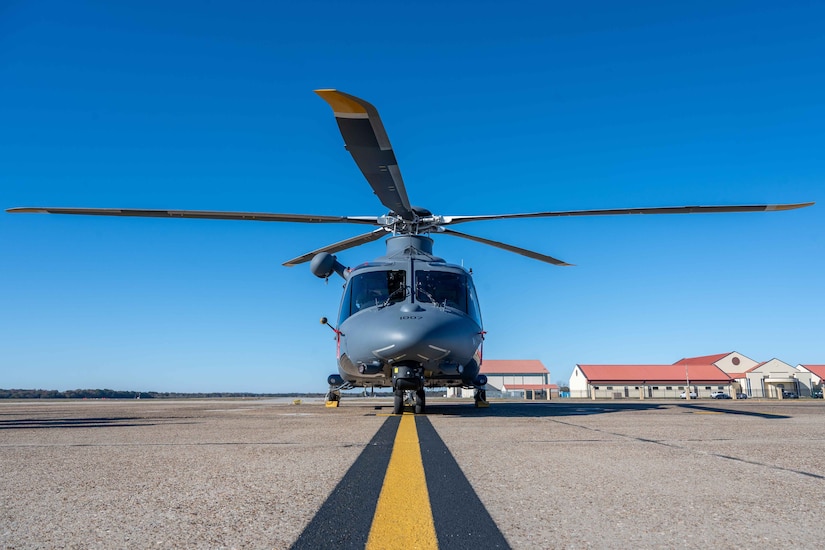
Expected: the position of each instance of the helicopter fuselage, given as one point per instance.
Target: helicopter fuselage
(409, 320)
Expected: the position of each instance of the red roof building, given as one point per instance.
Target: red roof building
(818, 372)
(654, 374)
(731, 362)
(817, 378)
(527, 378)
(702, 375)
(703, 360)
(517, 367)
(731, 373)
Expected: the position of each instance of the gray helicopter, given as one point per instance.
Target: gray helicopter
(407, 320)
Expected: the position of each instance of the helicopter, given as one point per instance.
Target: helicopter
(408, 320)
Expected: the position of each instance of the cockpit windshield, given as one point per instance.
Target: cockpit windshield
(373, 288)
(449, 289)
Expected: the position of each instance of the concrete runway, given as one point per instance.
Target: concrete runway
(566, 474)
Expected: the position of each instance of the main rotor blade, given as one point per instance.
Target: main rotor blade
(367, 142)
(200, 214)
(339, 246)
(617, 211)
(511, 248)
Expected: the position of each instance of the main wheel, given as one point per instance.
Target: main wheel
(398, 402)
(419, 402)
(333, 398)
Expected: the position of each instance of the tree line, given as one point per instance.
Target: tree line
(117, 394)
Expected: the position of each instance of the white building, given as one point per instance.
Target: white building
(731, 373)
(817, 374)
(525, 378)
(772, 378)
(647, 381)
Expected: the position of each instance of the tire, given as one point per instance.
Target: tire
(419, 402)
(398, 403)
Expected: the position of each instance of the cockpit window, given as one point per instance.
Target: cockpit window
(447, 288)
(373, 288)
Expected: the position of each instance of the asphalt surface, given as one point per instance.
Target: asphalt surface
(265, 473)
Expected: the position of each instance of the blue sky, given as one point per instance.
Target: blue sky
(491, 107)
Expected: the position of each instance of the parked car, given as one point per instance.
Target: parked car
(817, 394)
(721, 395)
(713, 394)
(789, 395)
(741, 396)
(692, 395)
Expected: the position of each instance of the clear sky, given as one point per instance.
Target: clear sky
(492, 107)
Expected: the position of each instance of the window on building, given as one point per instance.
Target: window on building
(655, 387)
(668, 387)
(609, 387)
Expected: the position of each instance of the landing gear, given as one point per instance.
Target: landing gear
(408, 384)
(480, 396)
(333, 398)
(402, 398)
(419, 402)
(336, 384)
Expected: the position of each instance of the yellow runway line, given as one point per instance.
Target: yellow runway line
(403, 517)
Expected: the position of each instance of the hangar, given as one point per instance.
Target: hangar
(731, 373)
(817, 375)
(646, 381)
(773, 378)
(525, 378)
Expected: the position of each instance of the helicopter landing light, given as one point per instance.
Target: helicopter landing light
(374, 367)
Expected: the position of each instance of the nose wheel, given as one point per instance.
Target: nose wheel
(414, 398)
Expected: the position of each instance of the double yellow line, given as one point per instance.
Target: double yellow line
(403, 516)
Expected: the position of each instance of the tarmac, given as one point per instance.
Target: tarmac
(235, 473)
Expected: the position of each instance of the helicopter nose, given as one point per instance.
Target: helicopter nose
(427, 336)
